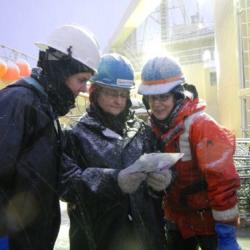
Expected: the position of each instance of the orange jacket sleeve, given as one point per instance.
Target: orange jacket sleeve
(213, 147)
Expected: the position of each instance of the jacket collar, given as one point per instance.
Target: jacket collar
(132, 127)
(176, 127)
(188, 108)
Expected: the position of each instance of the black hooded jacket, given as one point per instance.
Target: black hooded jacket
(101, 216)
(29, 168)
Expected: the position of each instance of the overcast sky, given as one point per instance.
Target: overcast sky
(26, 21)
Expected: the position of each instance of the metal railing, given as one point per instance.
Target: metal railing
(242, 161)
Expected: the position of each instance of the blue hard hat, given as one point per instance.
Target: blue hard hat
(114, 71)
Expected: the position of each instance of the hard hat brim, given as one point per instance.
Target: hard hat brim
(158, 89)
(42, 46)
(113, 86)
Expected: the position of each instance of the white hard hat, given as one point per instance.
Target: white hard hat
(160, 75)
(83, 45)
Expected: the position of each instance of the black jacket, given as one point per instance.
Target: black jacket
(101, 216)
(29, 167)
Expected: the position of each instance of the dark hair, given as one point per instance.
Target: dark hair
(54, 60)
(192, 89)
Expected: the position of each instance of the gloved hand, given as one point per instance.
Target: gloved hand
(159, 180)
(128, 180)
(226, 237)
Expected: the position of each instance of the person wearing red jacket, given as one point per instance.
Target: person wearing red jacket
(200, 206)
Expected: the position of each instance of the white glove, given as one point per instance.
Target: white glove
(128, 180)
(160, 180)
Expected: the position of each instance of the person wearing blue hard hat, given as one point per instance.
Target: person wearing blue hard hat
(113, 207)
(200, 205)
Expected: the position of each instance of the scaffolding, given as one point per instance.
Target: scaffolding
(10, 54)
(175, 27)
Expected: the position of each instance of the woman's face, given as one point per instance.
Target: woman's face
(161, 105)
(113, 101)
(78, 82)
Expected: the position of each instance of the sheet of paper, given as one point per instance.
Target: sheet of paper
(156, 162)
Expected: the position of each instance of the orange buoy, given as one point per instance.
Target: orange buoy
(23, 65)
(3, 67)
(12, 73)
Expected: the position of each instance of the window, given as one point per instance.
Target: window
(213, 78)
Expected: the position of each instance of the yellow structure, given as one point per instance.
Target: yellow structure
(221, 77)
(226, 41)
(81, 103)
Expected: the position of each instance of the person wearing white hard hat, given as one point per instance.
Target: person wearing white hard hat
(31, 141)
(200, 205)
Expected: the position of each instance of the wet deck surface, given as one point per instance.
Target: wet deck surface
(62, 242)
(244, 238)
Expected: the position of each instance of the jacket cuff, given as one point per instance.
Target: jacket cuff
(226, 215)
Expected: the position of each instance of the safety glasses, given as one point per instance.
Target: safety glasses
(113, 93)
(161, 98)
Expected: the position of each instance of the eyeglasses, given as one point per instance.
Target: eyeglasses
(115, 93)
(160, 98)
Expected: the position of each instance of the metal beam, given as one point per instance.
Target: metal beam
(136, 13)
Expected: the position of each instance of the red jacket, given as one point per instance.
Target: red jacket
(204, 189)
